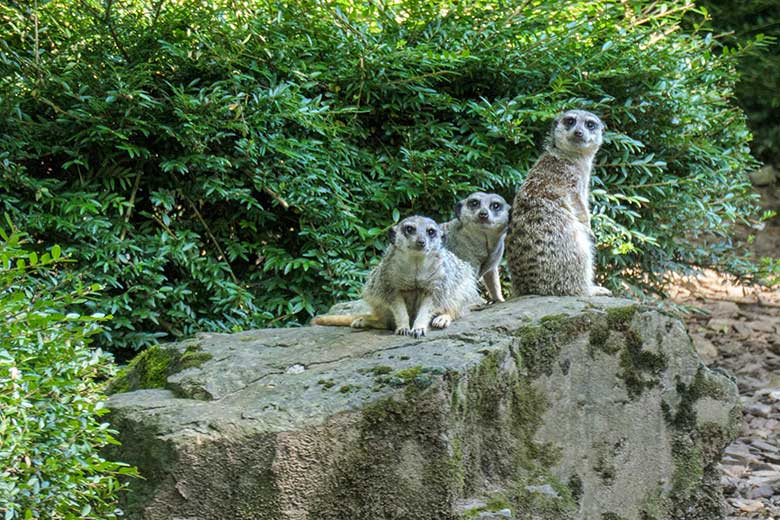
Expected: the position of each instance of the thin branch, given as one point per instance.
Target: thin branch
(276, 197)
(37, 42)
(157, 11)
(132, 204)
(213, 239)
(657, 15)
(106, 20)
(165, 227)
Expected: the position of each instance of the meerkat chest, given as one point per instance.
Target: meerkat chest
(475, 246)
(419, 274)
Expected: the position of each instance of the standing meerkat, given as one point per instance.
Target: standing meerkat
(476, 236)
(549, 242)
(418, 283)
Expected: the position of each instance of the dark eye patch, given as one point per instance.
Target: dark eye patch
(408, 230)
(569, 121)
(591, 125)
(496, 205)
(473, 203)
(431, 232)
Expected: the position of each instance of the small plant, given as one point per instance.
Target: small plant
(51, 402)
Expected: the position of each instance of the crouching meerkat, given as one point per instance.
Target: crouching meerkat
(418, 283)
(476, 236)
(549, 242)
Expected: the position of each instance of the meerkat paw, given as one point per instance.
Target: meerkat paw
(403, 331)
(597, 290)
(442, 321)
(418, 333)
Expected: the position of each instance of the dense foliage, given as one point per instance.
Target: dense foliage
(234, 163)
(50, 403)
(755, 26)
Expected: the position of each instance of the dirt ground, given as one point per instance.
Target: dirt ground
(740, 332)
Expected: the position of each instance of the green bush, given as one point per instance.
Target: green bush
(755, 26)
(234, 164)
(50, 403)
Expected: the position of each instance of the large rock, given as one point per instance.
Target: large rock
(538, 408)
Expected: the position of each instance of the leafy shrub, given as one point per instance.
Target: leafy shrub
(50, 403)
(234, 164)
(755, 26)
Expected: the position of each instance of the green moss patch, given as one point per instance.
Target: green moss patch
(539, 345)
(641, 369)
(619, 318)
(152, 368)
(691, 495)
(496, 502)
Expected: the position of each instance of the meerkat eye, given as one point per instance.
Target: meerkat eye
(495, 206)
(409, 230)
(431, 232)
(473, 203)
(568, 121)
(591, 125)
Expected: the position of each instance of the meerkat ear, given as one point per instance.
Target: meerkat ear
(458, 208)
(509, 214)
(392, 234)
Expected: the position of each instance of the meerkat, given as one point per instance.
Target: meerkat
(418, 283)
(549, 241)
(476, 236)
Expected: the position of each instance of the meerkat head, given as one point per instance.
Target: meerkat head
(576, 133)
(483, 209)
(417, 234)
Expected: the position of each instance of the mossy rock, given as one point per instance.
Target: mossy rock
(552, 408)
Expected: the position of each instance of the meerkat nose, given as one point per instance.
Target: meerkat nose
(483, 213)
(420, 242)
(578, 133)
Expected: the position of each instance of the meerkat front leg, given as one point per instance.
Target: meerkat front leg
(400, 316)
(493, 284)
(581, 210)
(442, 321)
(423, 318)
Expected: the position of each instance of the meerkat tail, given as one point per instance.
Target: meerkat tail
(336, 320)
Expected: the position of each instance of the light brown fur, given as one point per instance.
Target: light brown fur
(476, 235)
(418, 283)
(549, 242)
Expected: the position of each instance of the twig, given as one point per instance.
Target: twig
(685, 7)
(169, 328)
(132, 204)
(165, 227)
(283, 203)
(157, 10)
(37, 49)
(213, 239)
